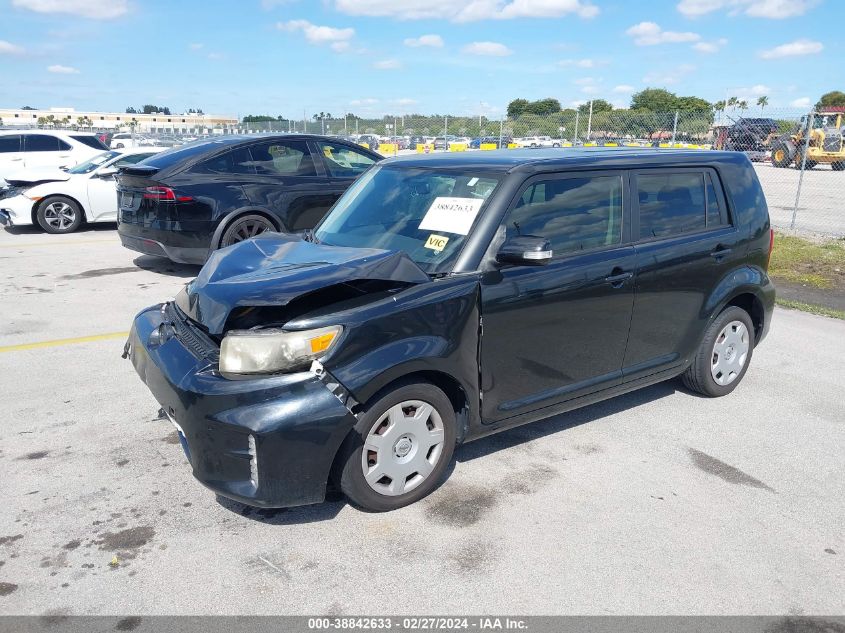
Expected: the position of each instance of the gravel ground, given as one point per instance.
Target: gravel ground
(657, 502)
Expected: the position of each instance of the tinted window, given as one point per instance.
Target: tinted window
(283, 158)
(42, 143)
(90, 141)
(715, 213)
(574, 214)
(670, 204)
(171, 157)
(237, 161)
(132, 159)
(10, 143)
(342, 160)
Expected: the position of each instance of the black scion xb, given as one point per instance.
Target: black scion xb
(447, 297)
(187, 202)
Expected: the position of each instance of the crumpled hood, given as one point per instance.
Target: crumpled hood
(37, 175)
(273, 269)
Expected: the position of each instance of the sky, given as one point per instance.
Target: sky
(376, 57)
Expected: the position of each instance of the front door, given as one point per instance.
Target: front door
(555, 332)
(44, 150)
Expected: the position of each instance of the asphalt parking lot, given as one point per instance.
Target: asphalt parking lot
(656, 502)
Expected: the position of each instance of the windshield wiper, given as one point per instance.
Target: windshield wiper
(309, 236)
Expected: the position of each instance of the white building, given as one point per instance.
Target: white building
(156, 122)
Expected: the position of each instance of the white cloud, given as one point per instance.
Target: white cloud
(469, 11)
(590, 90)
(623, 89)
(388, 64)
(801, 102)
(668, 77)
(195, 46)
(584, 81)
(62, 70)
(317, 34)
(216, 56)
(793, 49)
(432, 40)
(95, 9)
(368, 101)
(578, 63)
(405, 101)
(491, 49)
(7, 48)
(650, 34)
(710, 47)
(772, 9)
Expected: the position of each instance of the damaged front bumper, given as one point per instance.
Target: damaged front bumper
(267, 442)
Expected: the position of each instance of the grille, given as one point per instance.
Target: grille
(197, 342)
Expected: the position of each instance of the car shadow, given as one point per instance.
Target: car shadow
(315, 513)
(33, 229)
(166, 267)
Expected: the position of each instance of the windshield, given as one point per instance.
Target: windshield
(90, 165)
(423, 212)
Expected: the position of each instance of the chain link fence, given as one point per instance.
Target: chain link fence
(798, 155)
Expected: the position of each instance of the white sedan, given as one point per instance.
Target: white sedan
(60, 201)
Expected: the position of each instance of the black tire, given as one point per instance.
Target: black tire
(244, 227)
(838, 166)
(349, 467)
(59, 214)
(119, 146)
(698, 377)
(782, 154)
(555, 144)
(799, 161)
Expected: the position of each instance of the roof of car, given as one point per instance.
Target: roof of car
(49, 132)
(552, 158)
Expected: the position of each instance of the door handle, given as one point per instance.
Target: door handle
(720, 252)
(617, 279)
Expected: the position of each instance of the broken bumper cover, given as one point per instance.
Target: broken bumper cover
(267, 442)
(15, 210)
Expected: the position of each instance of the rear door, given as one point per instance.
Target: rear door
(45, 150)
(102, 191)
(555, 332)
(289, 182)
(342, 164)
(686, 243)
(11, 156)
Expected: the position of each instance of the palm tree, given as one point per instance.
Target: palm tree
(732, 102)
(762, 102)
(743, 105)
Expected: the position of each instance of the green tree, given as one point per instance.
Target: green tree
(599, 105)
(693, 104)
(543, 106)
(517, 108)
(131, 110)
(654, 100)
(28, 108)
(742, 105)
(154, 109)
(834, 98)
(732, 102)
(762, 102)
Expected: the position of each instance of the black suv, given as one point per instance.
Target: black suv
(184, 203)
(446, 297)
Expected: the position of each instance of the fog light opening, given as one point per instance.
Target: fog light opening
(253, 462)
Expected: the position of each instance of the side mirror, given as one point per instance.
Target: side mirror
(525, 250)
(108, 172)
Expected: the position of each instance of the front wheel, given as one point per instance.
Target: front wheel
(58, 214)
(838, 166)
(399, 450)
(782, 155)
(723, 356)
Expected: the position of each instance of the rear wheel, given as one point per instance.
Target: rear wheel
(838, 166)
(58, 214)
(799, 161)
(723, 356)
(245, 227)
(400, 448)
(782, 155)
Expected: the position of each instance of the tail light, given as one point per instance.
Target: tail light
(165, 194)
(771, 246)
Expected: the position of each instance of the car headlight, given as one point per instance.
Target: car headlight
(274, 350)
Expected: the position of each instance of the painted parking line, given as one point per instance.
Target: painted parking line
(64, 243)
(63, 341)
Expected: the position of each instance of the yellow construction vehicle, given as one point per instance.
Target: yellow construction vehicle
(824, 146)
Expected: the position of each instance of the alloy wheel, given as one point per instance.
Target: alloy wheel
(59, 215)
(730, 351)
(246, 229)
(403, 447)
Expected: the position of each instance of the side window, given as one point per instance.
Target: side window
(131, 159)
(283, 158)
(10, 143)
(715, 214)
(40, 143)
(236, 161)
(671, 204)
(342, 160)
(574, 214)
(64, 146)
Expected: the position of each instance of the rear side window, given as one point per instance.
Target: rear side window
(44, 143)
(342, 160)
(10, 143)
(574, 214)
(132, 159)
(716, 215)
(237, 161)
(172, 157)
(90, 141)
(671, 203)
(283, 158)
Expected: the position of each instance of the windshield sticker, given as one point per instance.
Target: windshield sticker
(436, 242)
(453, 215)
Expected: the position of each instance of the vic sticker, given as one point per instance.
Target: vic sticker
(453, 215)
(436, 242)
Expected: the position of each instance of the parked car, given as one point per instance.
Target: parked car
(188, 201)
(360, 354)
(370, 140)
(59, 201)
(29, 149)
(126, 139)
(416, 140)
(538, 141)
